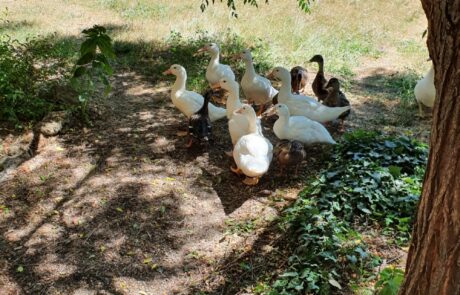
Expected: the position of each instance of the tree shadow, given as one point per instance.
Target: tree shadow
(13, 26)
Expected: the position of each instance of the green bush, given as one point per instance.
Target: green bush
(28, 71)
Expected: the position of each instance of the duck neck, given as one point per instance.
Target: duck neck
(252, 127)
(214, 59)
(179, 84)
(250, 68)
(283, 120)
(321, 67)
(285, 89)
(430, 74)
(204, 107)
(233, 102)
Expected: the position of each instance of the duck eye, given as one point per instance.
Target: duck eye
(225, 81)
(174, 67)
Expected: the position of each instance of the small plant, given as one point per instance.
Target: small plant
(389, 281)
(93, 66)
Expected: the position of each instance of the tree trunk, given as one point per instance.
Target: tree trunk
(433, 264)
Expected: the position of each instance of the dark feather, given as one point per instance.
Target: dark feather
(298, 79)
(335, 97)
(319, 83)
(199, 122)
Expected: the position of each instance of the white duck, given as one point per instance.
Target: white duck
(189, 102)
(299, 128)
(256, 88)
(253, 152)
(424, 91)
(237, 123)
(215, 70)
(301, 105)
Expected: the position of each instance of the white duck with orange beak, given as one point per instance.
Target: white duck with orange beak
(189, 102)
(252, 152)
(215, 70)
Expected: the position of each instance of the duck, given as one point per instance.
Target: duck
(425, 92)
(299, 79)
(199, 124)
(319, 83)
(215, 70)
(253, 152)
(299, 128)
(256, 89)
(301, 105)
(189, 102)
(289, 153)
(336, 98)
(237, 123)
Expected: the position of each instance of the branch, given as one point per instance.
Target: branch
(304, 5)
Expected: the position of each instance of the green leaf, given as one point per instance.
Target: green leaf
(20, 268)
(88, 46)
(106, 47)
(79, 71)
(86, 59)
(335, 283)
(395, 171)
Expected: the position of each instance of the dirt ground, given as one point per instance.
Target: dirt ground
(123, 207)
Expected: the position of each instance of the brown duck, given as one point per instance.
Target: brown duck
(298, 79)
(320, 81)
(289, 153)
(336, 98)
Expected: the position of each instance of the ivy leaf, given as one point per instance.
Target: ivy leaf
(335, 283)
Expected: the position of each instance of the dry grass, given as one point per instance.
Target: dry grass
(346, 33)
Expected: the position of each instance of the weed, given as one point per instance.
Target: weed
(93, 66)
(389, 281)
(240, 227)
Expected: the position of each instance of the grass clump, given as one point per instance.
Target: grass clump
(371, 179)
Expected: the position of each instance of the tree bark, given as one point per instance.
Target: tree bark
(433, 264)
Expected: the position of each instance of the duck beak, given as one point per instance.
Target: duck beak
(271, 76)
(270, 112)
(202, 49)
(429, 59)
(239, 111)
(167, 72)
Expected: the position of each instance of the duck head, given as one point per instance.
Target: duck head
(282, 110)
(280, 73)
(317, 58)
(334, 84)
(247, 111)
(176, 70)
(229, 84)
(210, 48)
(246, 55)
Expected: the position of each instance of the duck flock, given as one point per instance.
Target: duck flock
(300, 121)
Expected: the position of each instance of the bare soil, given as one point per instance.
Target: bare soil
(123, 207)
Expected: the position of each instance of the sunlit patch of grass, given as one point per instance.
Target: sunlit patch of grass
(136, 10)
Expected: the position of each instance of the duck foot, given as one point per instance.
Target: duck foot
(189, 143)
(260, 110)
(236, 170)
(341, 126)
(182, 133)
(251, 180)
